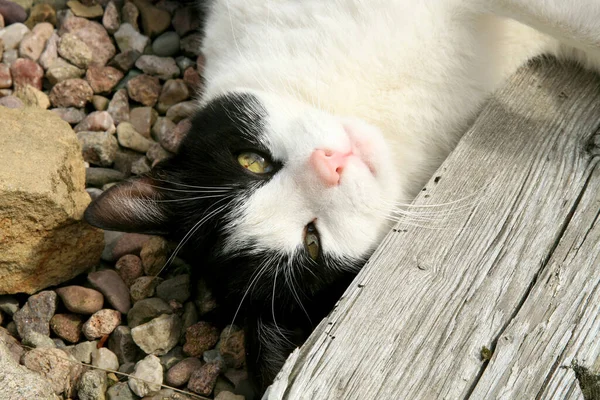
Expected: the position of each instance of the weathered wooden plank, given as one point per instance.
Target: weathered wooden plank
(413, 323)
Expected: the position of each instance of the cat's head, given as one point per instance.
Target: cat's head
(263, 186)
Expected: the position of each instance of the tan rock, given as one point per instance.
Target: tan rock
(43, 239)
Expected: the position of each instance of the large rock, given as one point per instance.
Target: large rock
(43, 239)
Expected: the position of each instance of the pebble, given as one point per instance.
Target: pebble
(81, 300)
(129, 243)
(94, 35)
(35, 315)
(162, 128)
(103, 79)
(118, 107)
(162, 67)
(82, 352)
(200, 337)
(182, 111)
(204, 301)
(50, 53)
(10, 56)
(5, 76)
(13, 34)
(100, 121)
(59, 368)
(41, 13)
(61, 70)
(203, 380)
(70, 114)
(127, 368)
(232, 347)
(226, 395)
(172, 357)
(128, 76)
(125, 60)
(111, 19)
(37, 340)
(122, 344)
(130, 15)
(166, 45)
(74, 50)
(94, 192)
(144, 89)
(120, 391)
(143, 287)
(177, 288)
(101, 323)
(173, 91)
(8, 304)
(191, 44)
(150, 374)
(15, 350)
(192, 79)
(12, 12)
(98, 148)
(185, 21)
(100, 103)
(189, 317)
(159, 335)
(128, 38)
(85, 11)
(156, 154)
(115, 291)
(32, 45)
(141, 166)
(92, 385)
(26, 72)
(129, 268)
(142, 119)
(32, 97)
(170, 140)
(99, 177)
(184, 63)
(145, 310)
(67, 327)
(154, 255)
(71, 93)
(105, 359)
(180, 374)
(154, 20)
(130, 138)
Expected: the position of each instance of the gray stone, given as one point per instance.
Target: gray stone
(145, 310)
(150, 374)
(141, 166)
(192, 44)
(162, 67)
(130, 138)
(113, 288)
(103, 358)
(98, 148)
(127, 368)
(128, 38)
(37, 340)
(184, 63)
(82, 352)
(120, 391)
(74, 50)
(166, 45)
(122, 344)
(182, 110)
(9, 304)
(36, 314)
(61, 71)
(118, 107)
(177, 288)
(13, 34)
(143, 287)
(92, 385)
(174, 356)
(159, 335)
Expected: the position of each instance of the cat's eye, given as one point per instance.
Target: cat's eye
(311, 241)
(254, 162)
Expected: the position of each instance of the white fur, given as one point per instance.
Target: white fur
(409, 74)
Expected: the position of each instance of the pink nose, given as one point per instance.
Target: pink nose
(329, 165)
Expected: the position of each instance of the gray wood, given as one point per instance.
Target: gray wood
(497, 263)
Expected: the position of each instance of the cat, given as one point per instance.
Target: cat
(317, 121)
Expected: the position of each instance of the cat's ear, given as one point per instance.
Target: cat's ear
(130, 206)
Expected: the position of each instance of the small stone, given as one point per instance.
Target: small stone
(130, 15)
(13, 34)
(157, 154)
(159, 335)
(129, 243)
(126, 60)
(128, 137)
(202, 381)
(101, 323)
(9, 305)
(35, 315)
(81, 300)
(127, 368)
(83, 11)
(189, 317)
(98, 148)
(174, 356)
(205, 301)
(100, 103)
(118, 107)
(103, 79)
(128, 76)
(103, 358)
(154, 20)
(50, 53)
(129, 268)
(141, 166)
(120, 391)
(226, 395)
(122, 344)
(180, 374)
(111, 19)
(33, 44)
(173, 91)
(181, 111)
(32, 97)
(94, 35)
(171, 140)
(67, 327)
(146, 310)
(98, 177)
(58, 367)
(150, 374)
(143, 287)
(61, 70)
(232, 347)
(144, 89)
(5, 76)
(128, 38)
(162, 128)
(10, 56)
(98, 121)
(71, 93)
(191, 44)
(184, 63)
(112, 287)
(200, 337)
(193, 80)
(166, 45)
(162, 67)
(74, 50)
(26, 72)
(142, 119)
(41, 13)
(71, 114)
(92, 385)
(37, 340)
(154, 255)
(82, 352)
(185, 20)
(177, 288)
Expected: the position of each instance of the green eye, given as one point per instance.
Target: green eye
(311, 241)
(254, 163)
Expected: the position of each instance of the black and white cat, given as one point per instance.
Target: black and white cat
(318, 120)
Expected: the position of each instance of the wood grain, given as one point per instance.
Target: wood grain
(513, 266)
